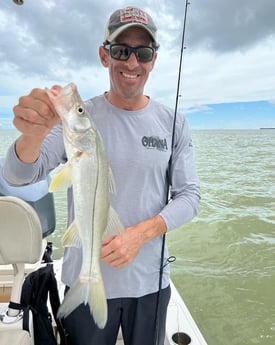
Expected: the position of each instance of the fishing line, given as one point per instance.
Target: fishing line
(172, 258)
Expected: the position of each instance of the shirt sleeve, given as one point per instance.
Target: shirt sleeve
(183, 180)
(18, 173)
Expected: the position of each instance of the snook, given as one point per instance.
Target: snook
(88, 171)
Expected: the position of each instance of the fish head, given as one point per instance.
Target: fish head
(70, 108)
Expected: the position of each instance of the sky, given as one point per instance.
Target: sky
(228, 69)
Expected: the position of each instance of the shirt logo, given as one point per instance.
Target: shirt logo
(154, 142)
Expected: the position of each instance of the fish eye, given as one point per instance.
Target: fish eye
(80, 110)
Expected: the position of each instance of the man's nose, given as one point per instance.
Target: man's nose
(132, 60)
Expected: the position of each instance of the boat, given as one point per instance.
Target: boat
(21, 251)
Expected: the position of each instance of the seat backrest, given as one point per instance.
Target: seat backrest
(37, 195)
(45, 210)
(20, 232)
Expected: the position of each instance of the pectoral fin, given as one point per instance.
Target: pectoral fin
(63, 179)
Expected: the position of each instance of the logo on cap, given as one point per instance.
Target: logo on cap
(133, 14)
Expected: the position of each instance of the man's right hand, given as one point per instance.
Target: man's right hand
(34, 117)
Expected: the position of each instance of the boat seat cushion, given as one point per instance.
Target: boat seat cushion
(20, 232)
(15, 337)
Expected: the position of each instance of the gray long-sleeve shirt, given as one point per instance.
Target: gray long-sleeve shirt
(138, 146)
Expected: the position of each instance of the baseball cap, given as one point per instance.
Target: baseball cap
(127, 17)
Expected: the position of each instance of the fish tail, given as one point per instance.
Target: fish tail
(98, 304)
(89, 291)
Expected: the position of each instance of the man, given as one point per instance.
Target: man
(137, 136)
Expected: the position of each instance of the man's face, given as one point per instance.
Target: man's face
(127, 78)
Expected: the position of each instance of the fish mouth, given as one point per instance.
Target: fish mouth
(68, 90)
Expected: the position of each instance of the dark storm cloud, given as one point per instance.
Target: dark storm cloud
(57, 41)
(45, 37)
(224, 26)
(40, 38)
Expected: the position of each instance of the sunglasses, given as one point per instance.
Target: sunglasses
(122, 52)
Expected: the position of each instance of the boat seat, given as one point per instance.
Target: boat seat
(35, 194)
(17, 337)
(20, 231)
(21, 243)
(45, 210)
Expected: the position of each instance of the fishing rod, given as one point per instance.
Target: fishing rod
(172, 258)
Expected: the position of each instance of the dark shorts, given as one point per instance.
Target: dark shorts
(136, 316)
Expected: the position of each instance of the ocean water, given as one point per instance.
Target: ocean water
(225, 267)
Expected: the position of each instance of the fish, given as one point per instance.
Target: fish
(88, 171)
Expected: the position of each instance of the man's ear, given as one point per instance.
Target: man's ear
(104, 56)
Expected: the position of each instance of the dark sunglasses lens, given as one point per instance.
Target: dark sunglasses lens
(120, 52)
(145, 54)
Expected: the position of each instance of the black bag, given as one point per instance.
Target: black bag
(36, 288)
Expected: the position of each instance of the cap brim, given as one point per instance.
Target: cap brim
(118, 31)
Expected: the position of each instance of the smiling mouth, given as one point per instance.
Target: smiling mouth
(129, 76)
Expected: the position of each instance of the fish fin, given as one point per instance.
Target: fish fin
(114, 225)
(112, 184)
(63, 179)
(97, 303)
(71, 237)
(88, 291)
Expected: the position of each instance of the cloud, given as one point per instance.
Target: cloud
(199, 108)
(225, 26)
(272, 102)
(42, 39)
(229, 56)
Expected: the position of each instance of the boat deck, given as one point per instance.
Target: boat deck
(180, 328)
